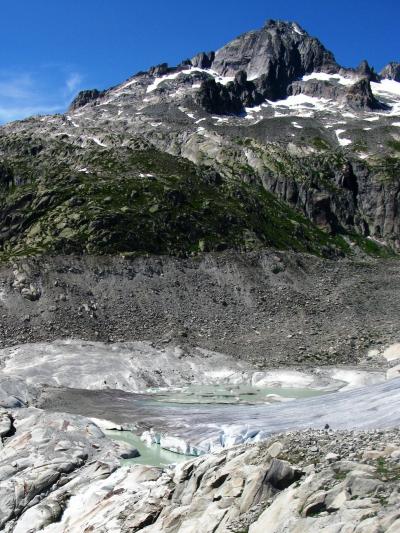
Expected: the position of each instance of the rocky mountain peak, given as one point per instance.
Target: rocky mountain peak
(272, 109)
(85, 97)
(360, 96)
(366, 71)
(278, 43)
(203, 60)
(275, 55)
(391, 71)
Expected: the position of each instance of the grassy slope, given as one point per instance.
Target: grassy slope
(139, 201)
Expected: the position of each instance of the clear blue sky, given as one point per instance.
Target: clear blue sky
(50, 49)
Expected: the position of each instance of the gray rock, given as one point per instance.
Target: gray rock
(391, 71)
(362, 487)
(85, 97)
(360, 96)
(365, 71)
(203, 60)
(260, 54)
(45, 459)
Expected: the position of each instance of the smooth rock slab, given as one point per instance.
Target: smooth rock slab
(45, 461)
(138, 366)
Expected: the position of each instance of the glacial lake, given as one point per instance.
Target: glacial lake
(231, 394)
(203, 396)
(152, 455)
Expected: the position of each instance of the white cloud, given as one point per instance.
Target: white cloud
(74, 80)
(47, 90)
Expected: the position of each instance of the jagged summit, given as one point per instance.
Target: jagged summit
(391, 71)
(270, 64)
(279, 48)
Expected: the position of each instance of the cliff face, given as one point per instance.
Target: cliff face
(351, 198)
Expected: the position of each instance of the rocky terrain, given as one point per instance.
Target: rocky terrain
(43, 453)
(313, 480)
(270, 308)
(230, 220)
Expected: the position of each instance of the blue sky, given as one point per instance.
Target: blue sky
(50, 49)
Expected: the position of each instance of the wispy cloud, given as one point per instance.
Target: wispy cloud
(73, 81)
(19, 86)
(49, 89)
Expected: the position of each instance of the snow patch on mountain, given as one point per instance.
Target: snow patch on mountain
(342, 141)
(388, 87)
(322, 76)
(220, 79)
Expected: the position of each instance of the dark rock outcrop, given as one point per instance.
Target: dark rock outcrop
(360, 95)
(85, 97)
(159, 70)
(365, 71)
(391, 71)
(228, 99)
(317, 88)
(216, 98)
(203, 60)
(245, 90)
(276, 55)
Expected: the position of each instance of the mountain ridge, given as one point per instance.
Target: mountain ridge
(206, 156)
(317, 59)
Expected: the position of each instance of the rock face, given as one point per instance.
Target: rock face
(347, 489)
(391, 71)
(275, 56)
(365, 71)
(214, 492)
(84, 97)
(215, 98)
(203, 60)
(360, 96)
(230, 99)
(359, 202)
(357, 96)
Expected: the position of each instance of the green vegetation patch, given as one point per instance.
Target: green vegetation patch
(143, 201)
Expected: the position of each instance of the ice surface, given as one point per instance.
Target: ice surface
(198, 430)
